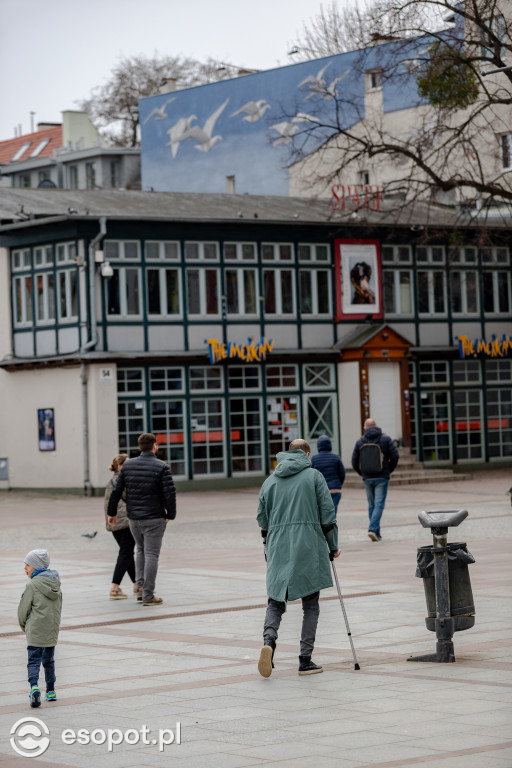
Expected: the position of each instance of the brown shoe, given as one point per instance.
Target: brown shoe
(139, 595)
(136, 588)
(153, 601)
(116, 593)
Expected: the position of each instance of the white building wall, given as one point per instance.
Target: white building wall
(103, 430)
(350, 413)
(5, 351)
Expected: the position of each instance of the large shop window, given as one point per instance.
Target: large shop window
(207, 434)
(282, 424)
(435, 419)
(464, 292)
(203, 292)
(45, 298)
(431, 292)
(123, 292)
(67, 299)
(22, 290)
(315, 293)
(497, 292)
(168, 424)
(397, 289)
(246, 434)
(131, 422)
(279, 291)
(499, 423)
(163, 286)
(241, 292)
(468, 425)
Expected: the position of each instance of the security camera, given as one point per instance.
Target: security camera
(106, 270)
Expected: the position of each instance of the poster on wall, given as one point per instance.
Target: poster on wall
(46, 425)
(358, 279)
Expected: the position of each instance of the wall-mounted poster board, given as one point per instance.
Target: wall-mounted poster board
(46, 426)
(358, 279)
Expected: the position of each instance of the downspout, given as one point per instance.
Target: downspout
(86, 347)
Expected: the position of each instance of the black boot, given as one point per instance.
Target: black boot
(307, 667)
(266, 662)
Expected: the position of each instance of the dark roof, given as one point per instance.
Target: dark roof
(19, 207)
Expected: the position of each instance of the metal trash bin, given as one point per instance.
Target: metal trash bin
(462, 606)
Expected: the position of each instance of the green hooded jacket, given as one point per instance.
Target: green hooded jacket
(40, 608)
(296, 510)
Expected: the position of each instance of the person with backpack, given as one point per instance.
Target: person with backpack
(375, 457)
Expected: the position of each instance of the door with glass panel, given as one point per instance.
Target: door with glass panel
(168, 424)
(207, 430)
(131, 417)
(320, 419)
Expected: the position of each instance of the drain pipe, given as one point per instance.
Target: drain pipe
(88, 489)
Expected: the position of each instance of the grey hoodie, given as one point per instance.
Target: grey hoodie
(40, 609)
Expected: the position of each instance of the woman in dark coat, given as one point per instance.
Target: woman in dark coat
(331, 467)
(122, 534)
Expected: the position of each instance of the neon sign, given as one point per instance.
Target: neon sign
(494, 348)
(253, 352)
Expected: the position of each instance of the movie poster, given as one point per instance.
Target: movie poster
(358, 279)
(46, 424)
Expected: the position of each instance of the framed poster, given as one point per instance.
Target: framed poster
(358, 279)
(46, 426)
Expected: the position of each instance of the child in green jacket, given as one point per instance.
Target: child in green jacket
(39, 617)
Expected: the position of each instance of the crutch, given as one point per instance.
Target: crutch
(356, 665)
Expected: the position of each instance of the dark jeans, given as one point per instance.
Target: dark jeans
(44, 656)
(125, 558)
(336, 498)
(311, 609)
(148, 535)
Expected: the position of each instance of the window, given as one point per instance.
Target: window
(21, 151)
(364, 178)
(468, 425)
(73, 176)
(37, 151)
(430, 254)
(506, 151)
(90, 175)
(244, 377)
(164, 250)
(397, 291)
(498, 371)
(319, 376)
(396, 254)
(241, 292)
(131, 416)
(496, 27)
(315, 294)
(130, 381)
(123, 292)
(43, 176)
(313, 252)
(22, 299)
(116, 250)
(163, 287)
(246, 434)
(67, 298)
(496, 287)
(203, 292)
(43, 257)
(166, 381)
(463, 255)
(464, 292)
(24, 180)
(499, 423)
(282, 423)
(495, 256)
(432, 292)
(168, 424)
(279, 291)
(434, 373)
(239, 251)
(320, 415)
(207, 378)
(281, 376)
(466, 372)
(277, 252)
(373, 79)
(66, 253)
(45, 297)
(435, 419)
(21, 259)
(207, 430)
(114, 175)
(201, 251)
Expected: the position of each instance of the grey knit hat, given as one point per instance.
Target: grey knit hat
(39, 559)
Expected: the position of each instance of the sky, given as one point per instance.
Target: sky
(54, 52)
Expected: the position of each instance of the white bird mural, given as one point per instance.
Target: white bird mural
(329, 92)
(254, 109)
(178, 133)
(287, 130)
(316, 82)
(204, 135)
(159, 112)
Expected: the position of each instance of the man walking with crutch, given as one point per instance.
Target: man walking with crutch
(296, 517)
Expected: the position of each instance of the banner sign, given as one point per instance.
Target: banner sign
(494, 348)
(253, 352)
(356, 197)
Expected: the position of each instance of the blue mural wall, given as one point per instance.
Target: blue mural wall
(247, 127)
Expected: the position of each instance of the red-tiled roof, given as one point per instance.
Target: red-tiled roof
(9, 148)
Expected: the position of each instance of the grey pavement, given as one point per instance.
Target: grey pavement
(193, 660)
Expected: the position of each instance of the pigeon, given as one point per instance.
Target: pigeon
(90, 535)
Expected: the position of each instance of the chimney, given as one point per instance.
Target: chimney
(44, 126)
(230, 185)
(168, 85)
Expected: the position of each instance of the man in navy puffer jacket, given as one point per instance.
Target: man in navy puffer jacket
(331, 467)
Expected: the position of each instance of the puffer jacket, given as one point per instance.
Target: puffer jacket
(40, 609)
(328, 463)
(296, 516)
(387, 447)
(149, 486)
(122, 518)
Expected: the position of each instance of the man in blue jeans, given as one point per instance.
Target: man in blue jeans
(376, 477)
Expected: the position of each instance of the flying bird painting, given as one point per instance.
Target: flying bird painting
(159, 113)
(254, 110)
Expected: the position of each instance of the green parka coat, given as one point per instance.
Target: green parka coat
(296, 510)
(40, 609)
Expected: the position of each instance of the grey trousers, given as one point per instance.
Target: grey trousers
(148, 535)
(311, 611)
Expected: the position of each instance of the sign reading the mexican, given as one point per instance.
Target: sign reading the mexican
(253, 352)
(493, 348)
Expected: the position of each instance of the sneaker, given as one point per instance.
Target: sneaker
(35, 696)
(307, 667)
(116, 593)
(51, 696)
(152, 601)
(373, 536)
(139, 594)
(135, 589)
(266, 664)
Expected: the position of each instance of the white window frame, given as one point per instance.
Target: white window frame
(162, 290)
(321, 387)
(278, 292)
(373, 79)
(22, 256)
(459, 255)
(429, 249)
(121, 255)
(493, 260)
(315, 310)
(162, 256)
(239, 252)
(202, 293)
(46, 252)
(69, 274)
(159, 392)
(432, 312)
(201, 251)
(464, 292)
(20, 151)
(206, 371)
(282, 387)
(68, 251)
(276, 253)
(241, 291)
(496, 293)
(26, 308)
(123, 303)
(42, 144)
(244, 369)
(397, 309)
(48, 305)
(313, 253)
(120, 372)
(395, 259)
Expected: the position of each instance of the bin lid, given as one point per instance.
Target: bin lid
(449, 518)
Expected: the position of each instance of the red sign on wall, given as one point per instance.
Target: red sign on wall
(357, 197)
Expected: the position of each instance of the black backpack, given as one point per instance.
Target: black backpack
(370, 458)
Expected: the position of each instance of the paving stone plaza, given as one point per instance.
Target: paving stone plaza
(129, 669)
